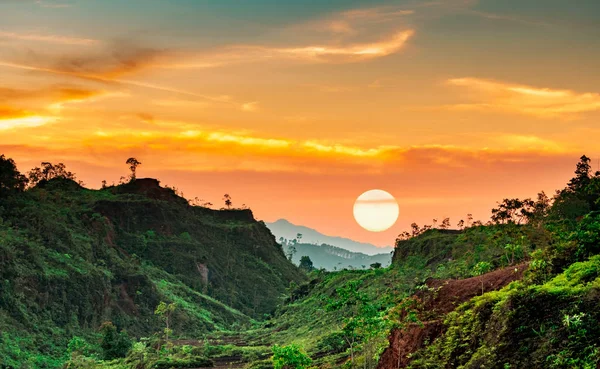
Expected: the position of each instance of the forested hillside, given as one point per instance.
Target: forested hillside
(72, 259)
(520, 291)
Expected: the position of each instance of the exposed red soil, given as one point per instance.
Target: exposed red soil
(444, 296)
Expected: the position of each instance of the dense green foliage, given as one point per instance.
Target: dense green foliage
(72, 259)
(290, 357)
(94, 268)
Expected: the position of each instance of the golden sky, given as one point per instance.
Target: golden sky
(297, 108)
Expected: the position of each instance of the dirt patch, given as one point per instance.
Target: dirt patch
(442, 297)
(151, 188)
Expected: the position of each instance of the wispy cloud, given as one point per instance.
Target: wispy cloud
(350, 52)
(212, 150)
(507, 17)
(115, 78)
(14, 118)
(59, 92)
(25, 122)
(52, 4)
(353, 20)
(315, 53)
(55, 39)
(524, 99)
(250, 106)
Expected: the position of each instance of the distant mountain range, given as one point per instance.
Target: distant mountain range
(287, 230)
(335, 258)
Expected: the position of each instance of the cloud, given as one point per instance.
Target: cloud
(379, 14)
(51, 4)
(353, 20)
(214, 149)
(350, 52)
(55, 39)
(9, 113)
(62, 92)
(13, 118)
(343, 149)
(524, 99)
(119, 59)
(315, 53)
(25, 122)
(507, 17)
(206, 150)
(71, 67)
(250, 106)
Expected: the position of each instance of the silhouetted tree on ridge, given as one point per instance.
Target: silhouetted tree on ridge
(133, 164)
(11, 180)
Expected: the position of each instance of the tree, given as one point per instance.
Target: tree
(306, 264)
(461, 224)
(11, 180)
(114, 344)
(299, 237)
(227, 200)
(164, 311)
(480, 269)
(290, 357)
(415, 229)
(49, 171)
(403, 236)
(375, 265)
(365, 320)
(513, 211)
(469, 219)
(541, 207)
(291, 252)
(133, 164)
(445, 223)
(582, 175)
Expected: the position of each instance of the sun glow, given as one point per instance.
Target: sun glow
(376, 210)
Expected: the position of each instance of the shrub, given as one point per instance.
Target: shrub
(290, 357)
(114, 344)
(333, 343)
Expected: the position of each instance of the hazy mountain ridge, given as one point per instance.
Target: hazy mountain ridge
(284, 228)
(336, 258)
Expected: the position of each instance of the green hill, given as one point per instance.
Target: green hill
(72, 258)
(519, 292)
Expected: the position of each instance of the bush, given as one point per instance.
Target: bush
(193, 362)
(290, 357)
(333, 343)
(114, 344)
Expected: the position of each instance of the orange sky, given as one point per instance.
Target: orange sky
(297, 109)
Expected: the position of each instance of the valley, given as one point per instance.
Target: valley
(132, 276)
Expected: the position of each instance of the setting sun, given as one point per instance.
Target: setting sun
(376, 210)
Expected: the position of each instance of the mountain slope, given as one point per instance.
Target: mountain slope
(72, 258)
(287, 230)
(335, 258)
